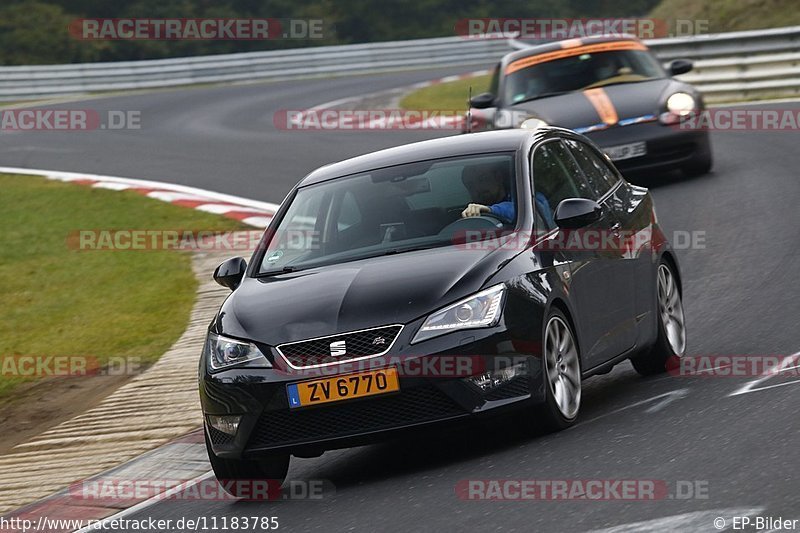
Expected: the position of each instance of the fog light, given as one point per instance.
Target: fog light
(225, 423)
(495, 378)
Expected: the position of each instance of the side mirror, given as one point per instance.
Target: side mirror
(229, 273)
(680, 66)
(573, 213)
(482, 101)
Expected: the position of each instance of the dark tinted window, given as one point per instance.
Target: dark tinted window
(391, 209)
(599, 174)
(579, 72)
(555, 177)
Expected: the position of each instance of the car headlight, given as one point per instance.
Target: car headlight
(481, 310)
(223, 352)
(679, 106)
(533, 123)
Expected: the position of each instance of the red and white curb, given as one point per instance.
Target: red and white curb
(154, 476)
(448, 79)
(251, 212)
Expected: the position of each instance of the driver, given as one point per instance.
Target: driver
(486, 184)
(605, 66)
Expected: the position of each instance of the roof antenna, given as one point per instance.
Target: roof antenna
(469, 110)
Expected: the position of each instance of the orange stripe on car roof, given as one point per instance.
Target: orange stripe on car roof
(525, 62)
(571, 43)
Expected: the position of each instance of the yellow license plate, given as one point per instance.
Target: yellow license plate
(344, 387)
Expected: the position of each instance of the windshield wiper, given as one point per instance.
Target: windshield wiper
(285, 270)
(594, 86)
(393, 251)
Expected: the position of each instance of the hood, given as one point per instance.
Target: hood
(395, 289)
(629, 100)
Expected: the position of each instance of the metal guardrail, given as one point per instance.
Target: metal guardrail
(51, 80)
(728, 66)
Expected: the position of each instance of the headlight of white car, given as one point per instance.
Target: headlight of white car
(223, 352)
(679, 105)
(532, 124)
(481, 310)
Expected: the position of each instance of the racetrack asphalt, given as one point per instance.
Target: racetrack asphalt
(741, 294)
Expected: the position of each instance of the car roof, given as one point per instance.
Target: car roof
(561, 44)
(455, 145)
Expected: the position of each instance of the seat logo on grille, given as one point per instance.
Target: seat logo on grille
(379, 341)
(338, 348)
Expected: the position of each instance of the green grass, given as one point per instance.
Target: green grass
(445, 96)
(731, 15)
(57, 300)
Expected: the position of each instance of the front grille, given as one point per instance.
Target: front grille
(411, 406)
(357, 344)
(218, 437)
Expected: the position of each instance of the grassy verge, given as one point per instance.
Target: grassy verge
(58, 301)
(731, 15)
(445, 96)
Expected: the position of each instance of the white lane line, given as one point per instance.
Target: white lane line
(666, 399)
(221, 209)
(152, 500)
(750, 386)
(674, 395)
(167, 196)
(259, 222)
(110, 185)
(696, 521)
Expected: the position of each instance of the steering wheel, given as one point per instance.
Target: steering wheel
(486, 221)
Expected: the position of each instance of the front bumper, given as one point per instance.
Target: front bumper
(668, 147)
(431, 393)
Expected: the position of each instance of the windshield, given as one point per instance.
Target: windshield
(580, 72)
(393, 210)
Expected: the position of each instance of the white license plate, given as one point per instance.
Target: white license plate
(626, 151)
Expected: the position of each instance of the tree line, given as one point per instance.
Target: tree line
(37, 31)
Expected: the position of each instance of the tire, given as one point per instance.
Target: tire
(561, 371)
(271, 468)
(670, 343)
(699, 166)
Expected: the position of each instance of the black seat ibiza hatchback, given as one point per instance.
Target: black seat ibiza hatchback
(434, 282)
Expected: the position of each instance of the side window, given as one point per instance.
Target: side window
(555, 178)
(599, 174)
